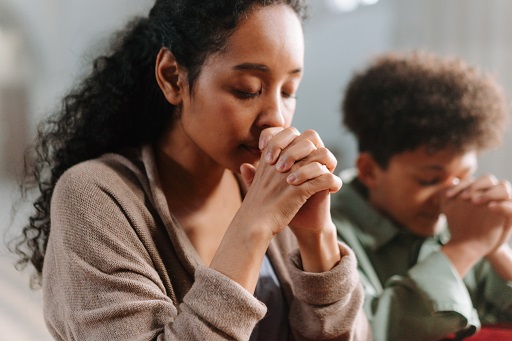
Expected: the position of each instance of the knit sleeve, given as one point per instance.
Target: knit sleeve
(99, 281)
(328, 305)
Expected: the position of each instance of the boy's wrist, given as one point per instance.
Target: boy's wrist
(500, 252)
(463, 255)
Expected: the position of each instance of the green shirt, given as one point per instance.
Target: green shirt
(412, 290)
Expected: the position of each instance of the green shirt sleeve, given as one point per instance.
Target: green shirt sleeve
(499, 293)
(441, 286)
(427, 304)
(492, 295)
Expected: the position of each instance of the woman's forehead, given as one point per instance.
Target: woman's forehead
(270, 34)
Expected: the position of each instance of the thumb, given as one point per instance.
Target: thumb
(248, 171)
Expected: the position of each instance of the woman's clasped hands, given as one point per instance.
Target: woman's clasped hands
(291, 186)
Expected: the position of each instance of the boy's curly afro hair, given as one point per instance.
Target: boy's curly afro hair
(404, 101)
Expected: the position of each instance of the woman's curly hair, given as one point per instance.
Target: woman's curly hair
(120, 105)
(404, 101)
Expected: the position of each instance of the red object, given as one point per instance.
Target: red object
(495, 332)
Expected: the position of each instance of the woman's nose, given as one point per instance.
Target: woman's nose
(272, 114)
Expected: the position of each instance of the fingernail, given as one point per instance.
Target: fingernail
(292, 179)
(268, 157)
(263, 142)
(280, 165)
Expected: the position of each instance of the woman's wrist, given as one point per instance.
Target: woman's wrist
(318, 248)
(241, 252)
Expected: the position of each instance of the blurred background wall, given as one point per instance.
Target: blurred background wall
(46, 45)
(337, 43)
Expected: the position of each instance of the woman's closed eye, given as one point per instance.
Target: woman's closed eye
(244, 94)
(288, 95)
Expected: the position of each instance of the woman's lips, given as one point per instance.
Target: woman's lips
(253, 150)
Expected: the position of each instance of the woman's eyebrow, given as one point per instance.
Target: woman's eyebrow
(260, 67)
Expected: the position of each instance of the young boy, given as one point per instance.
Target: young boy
(431, 240)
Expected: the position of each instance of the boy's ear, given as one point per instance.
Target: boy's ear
(367, 169)
(169, 76)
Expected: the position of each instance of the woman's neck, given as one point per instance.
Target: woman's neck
(189, 183)
(185, 171)
(202, 195)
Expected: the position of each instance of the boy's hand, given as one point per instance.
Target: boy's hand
(479, 215)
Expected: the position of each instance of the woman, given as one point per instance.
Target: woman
(173, 174)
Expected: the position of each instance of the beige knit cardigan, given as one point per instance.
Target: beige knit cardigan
(119, 267)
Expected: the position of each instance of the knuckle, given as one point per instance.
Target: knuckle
(310, 145)
(327, 157)
(323, 152)
(317, 168)
(292, 130)
(507, 186)
(491, 178)
(311, 134)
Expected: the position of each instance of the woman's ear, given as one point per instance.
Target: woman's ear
(169, 76)
(367, 168)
